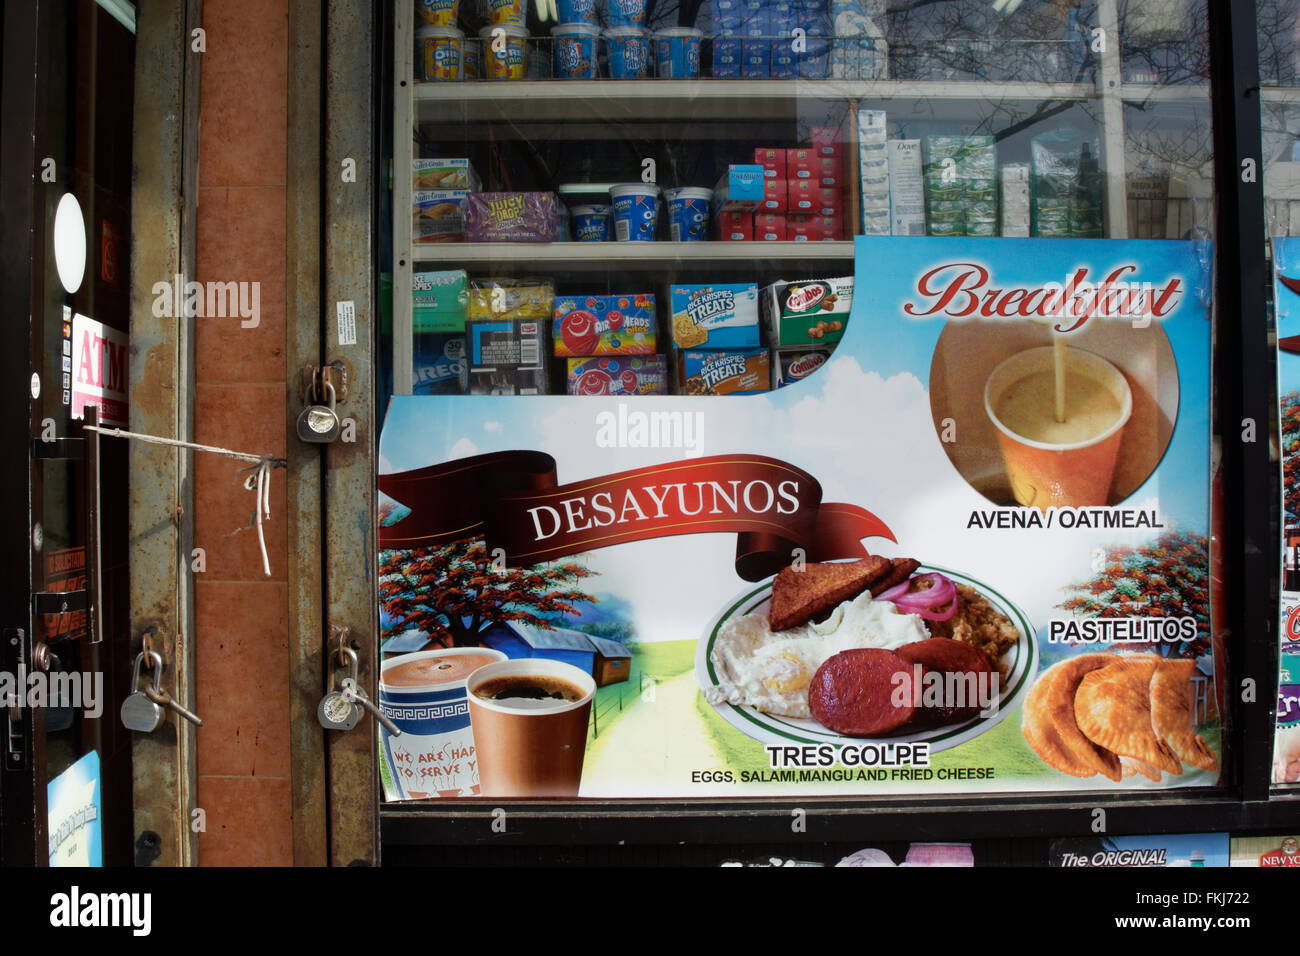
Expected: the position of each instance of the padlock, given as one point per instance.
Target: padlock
(138, 711)
(320, 423)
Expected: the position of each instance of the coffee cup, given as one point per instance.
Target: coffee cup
(424, 695)
(530, 745)
(1050, 463)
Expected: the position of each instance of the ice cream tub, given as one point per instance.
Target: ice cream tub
(636, 211)
(438, 53)
(677, 52)
(688, 213)
(629, 53)
(625, 13)
(577, 11)
(436, 13)
(591, 222)
(575, 51)
(505, 52)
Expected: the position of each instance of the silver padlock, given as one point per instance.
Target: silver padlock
(320, 423)
(138, 711)
(338, 710)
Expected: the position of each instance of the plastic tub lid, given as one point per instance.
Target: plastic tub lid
(689, 192)
(583, 29)
(584, 189)
(509, 29)
(439, 32)
(625, 32)
(590, 209)
(633, 189)
(679, 32)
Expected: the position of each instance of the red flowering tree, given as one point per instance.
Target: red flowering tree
(1290, 408)
(452, 593)
(1167, 579)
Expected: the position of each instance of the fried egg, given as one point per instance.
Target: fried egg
(770, 670)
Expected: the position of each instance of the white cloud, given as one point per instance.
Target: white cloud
(462, 449)
(492, 426)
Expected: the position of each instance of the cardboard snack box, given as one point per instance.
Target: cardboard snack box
(438, 215)
(588, 325)
(439, 301)
(439, 365)
(505, 342)
(512, 217)
(725, 371)
(794, 365)
(508, 380)
(807, 312)
(632, 375)
(445, 174)
(717, 315)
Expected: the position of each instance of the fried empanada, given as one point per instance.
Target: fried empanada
(1113, 709)
(1131, 767)
(1049, 725)
(1171, 714)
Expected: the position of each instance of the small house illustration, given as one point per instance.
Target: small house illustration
(608, 662)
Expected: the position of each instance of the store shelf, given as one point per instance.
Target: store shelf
(1177, 93)
(645, 256)
(970, 817)
(570, 101)
(1280, 94)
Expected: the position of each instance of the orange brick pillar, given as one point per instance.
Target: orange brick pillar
(241, 653)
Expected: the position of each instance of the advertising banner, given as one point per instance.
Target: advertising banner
(968, 553)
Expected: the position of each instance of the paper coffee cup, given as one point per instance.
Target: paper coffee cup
(530, 748)
(424, 694)
(1075, 473)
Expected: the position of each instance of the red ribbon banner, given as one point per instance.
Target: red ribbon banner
(513, 501)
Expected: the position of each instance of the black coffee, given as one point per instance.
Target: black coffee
(529, 687)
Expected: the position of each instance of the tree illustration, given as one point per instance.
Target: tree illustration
(454, 592)
(1167, 579)
(1290, 405)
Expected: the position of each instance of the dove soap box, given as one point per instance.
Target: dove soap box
(717, 315)
(595, 325)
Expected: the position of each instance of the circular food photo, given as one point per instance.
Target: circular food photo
(1037, 419)
(849, 651)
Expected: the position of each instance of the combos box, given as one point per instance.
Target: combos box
(588, 325)
(794, 365)
(808, 312)
(715, 315)
(725, 371)
(633, 375)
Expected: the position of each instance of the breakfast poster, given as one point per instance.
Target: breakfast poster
(968, 554)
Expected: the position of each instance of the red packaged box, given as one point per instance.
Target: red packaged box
(826, 140)
(770, 227)
(809, 199)
(806, 164)
(772, 161)
(735, 225)
(814, 228)
(775, 196)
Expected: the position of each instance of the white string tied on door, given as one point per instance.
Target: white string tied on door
(259, 481)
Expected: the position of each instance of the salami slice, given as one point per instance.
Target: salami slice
(943, 657)
(865, 692)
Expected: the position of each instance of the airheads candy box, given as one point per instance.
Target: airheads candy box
(714, 316)
(587, 325)
(725, 371)
(618, 376)
(794, 365)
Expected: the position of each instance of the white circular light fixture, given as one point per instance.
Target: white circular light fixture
(70, 242)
